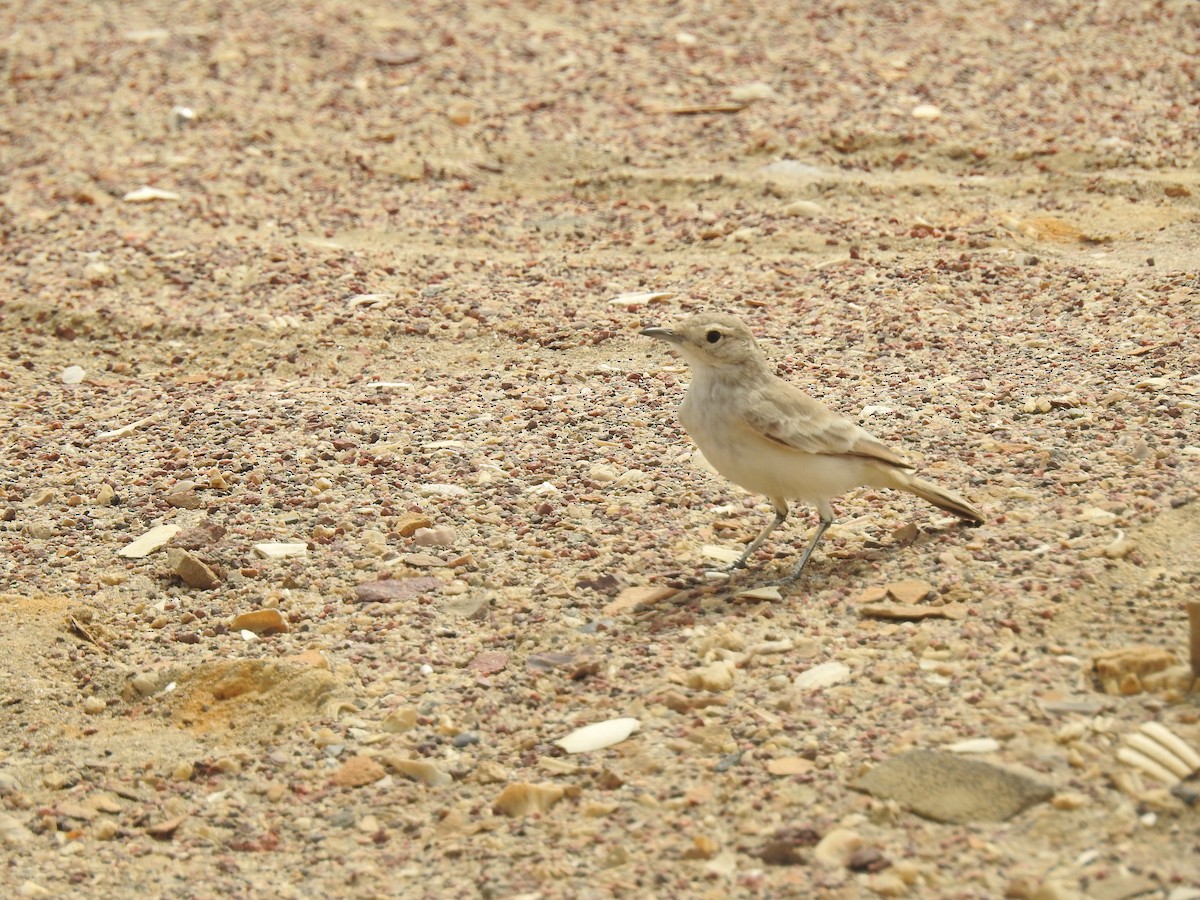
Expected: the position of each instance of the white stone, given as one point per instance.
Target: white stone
(72, 375)
(152, 540)
(280, 549)
(822, 676)
(804, 209)
(975, 745)
(598, 735)
(147, 194)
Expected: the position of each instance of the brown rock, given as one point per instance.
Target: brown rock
(188, 499)
(638, 595)
(191, 571)
(523, 799)
(260, 621)
(165, 829)
(407, 524)
(1121, 671)
(394, 589)
(198, 536)
(358, 771)
(489, 662)
(909, 591)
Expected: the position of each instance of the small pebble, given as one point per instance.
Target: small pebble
(94, 705)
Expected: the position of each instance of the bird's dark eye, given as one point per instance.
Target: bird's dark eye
(713, 336)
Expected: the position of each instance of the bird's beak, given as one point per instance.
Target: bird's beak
(663, 334)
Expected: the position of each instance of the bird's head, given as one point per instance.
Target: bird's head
(712, 340)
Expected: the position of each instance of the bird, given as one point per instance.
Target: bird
(771, 438)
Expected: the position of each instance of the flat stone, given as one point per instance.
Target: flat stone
(909, 591)
(489, 662)
(947, 788)
(281, 549)
(394, 589)
(154, 539)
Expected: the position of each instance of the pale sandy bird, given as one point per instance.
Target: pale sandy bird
(771, 438)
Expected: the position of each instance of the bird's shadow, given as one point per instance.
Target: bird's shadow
(836, 566)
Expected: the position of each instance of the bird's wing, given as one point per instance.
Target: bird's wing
(786, 415)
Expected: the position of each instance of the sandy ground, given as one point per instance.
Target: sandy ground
(382, 302)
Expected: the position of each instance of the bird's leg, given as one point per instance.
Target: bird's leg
(826, 521)
(781, 512)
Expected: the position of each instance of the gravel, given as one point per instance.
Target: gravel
(337, 487)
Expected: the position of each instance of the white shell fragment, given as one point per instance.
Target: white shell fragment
(762, 593)
(72, 375)
(1173, 743)
(598, 735)
(152, 540)
(926, 112)
(750, 92)
(975, 745)
(280, 549)
(640, 298)
(1160, 753)
(822, 676)
(124, 429)
(149, 194)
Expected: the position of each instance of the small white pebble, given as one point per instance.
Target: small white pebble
(426, 669)
(72, 375)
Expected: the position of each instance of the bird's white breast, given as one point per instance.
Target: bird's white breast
(709, 414)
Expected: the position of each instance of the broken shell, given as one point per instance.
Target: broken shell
(147, 194)
(1174, 743)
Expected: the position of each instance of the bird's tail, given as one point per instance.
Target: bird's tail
(940, 497)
